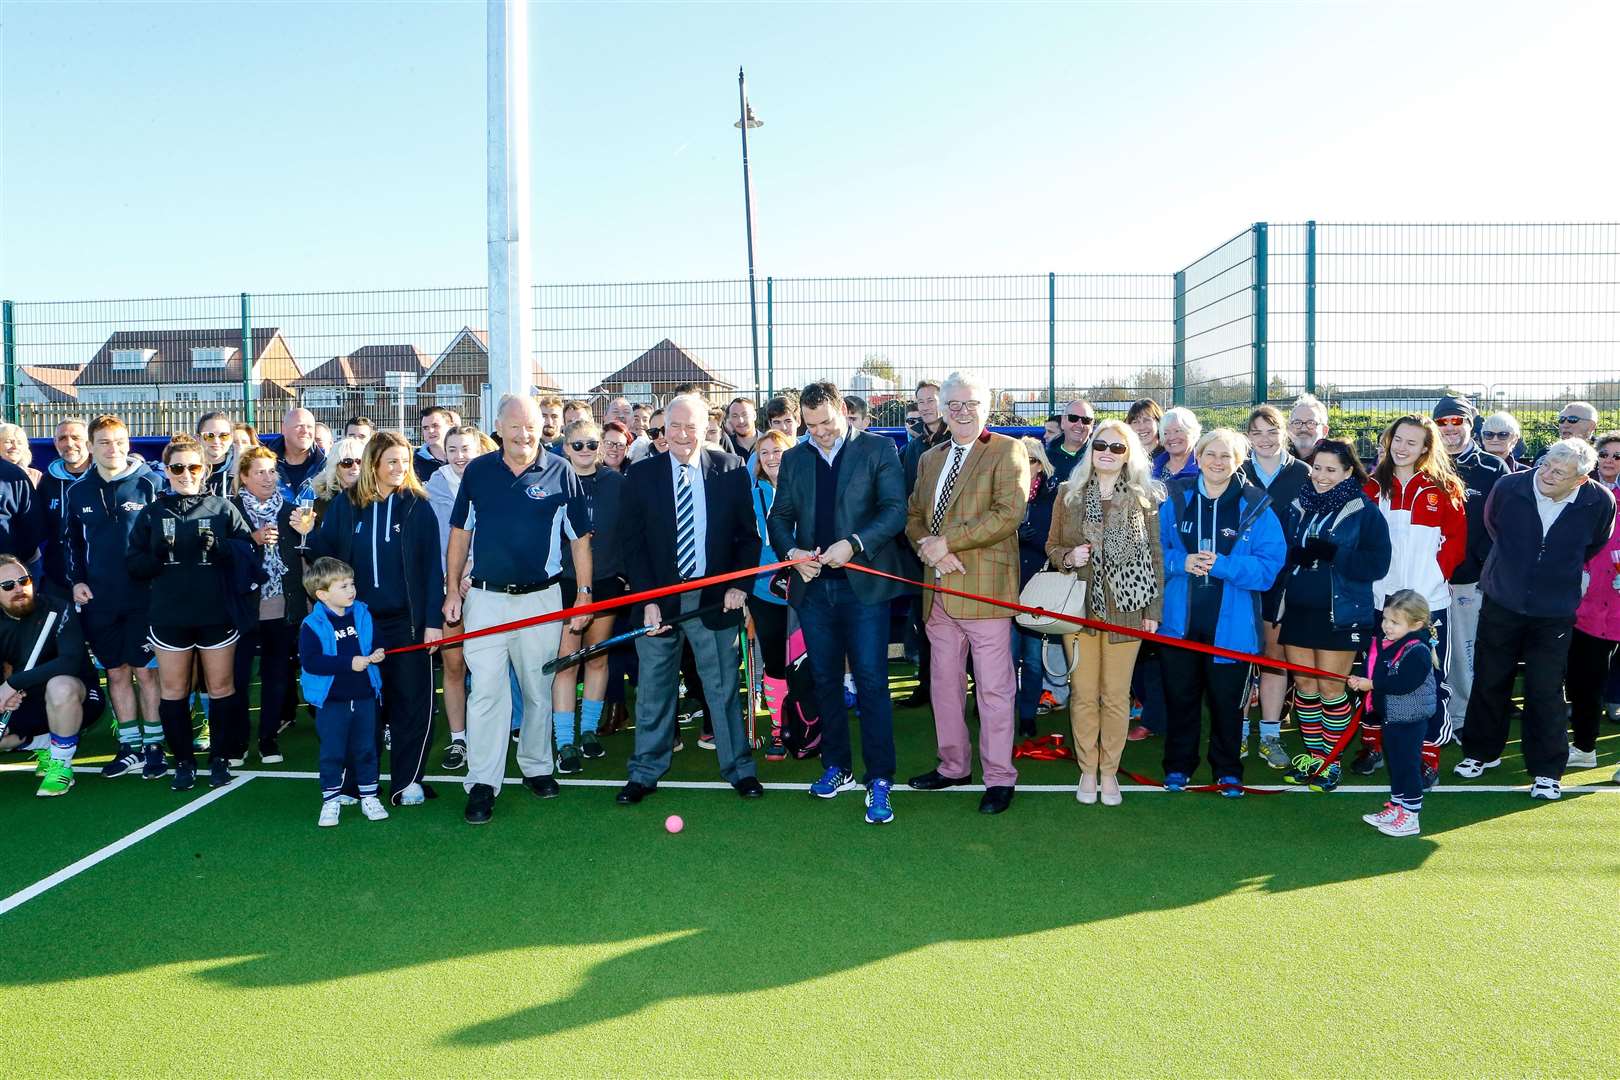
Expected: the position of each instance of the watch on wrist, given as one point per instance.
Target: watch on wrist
(586, 589)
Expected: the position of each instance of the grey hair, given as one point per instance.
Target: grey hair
(696, 401)
(967, 380)
(1183, 416)
(1234, 441)
(1507, 418)
(1311, 402)
(1581, 405)
(1577, 452)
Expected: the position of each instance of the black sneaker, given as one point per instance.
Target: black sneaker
(480, 804)
(455, 755)
(185, 777)
(1431, 776)
(544, 787)
(568, 760)
(154, 766)
(219, 773)
(589, 746)
(1367, 762)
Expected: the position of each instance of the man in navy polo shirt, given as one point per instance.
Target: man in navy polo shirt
(514, 511)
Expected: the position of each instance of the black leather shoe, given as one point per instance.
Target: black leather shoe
(544, 787)
(996, 799)
(633, 792)
(933, 780)
(917, 699)
(749, 787)
(480, 804)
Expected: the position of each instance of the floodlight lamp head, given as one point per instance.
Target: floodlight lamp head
(753, 121)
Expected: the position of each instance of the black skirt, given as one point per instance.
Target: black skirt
(1312, 628)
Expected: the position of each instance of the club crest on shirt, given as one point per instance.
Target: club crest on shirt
(536, 491)
(1434, 500)
(132, 507)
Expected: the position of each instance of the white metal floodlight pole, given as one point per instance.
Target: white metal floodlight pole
(511, 292)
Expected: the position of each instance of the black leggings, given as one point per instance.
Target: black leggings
(274, 641)
(770, 626)
(1584, 681)
(408, 701)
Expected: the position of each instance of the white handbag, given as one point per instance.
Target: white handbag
(1054, 591)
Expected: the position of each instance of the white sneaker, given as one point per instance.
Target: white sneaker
(329, 813)
(238, 762)
(1382, 817)
(1581, 759)
(413, 795)
(372, 807)
(1403, 823)
(1547, 788)
(272, 758)
(346, 800)
(1472, 768)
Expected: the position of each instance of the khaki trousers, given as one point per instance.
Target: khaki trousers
(1100, 699)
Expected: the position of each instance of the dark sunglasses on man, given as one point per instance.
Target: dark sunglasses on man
(16, 582)
(1083, 421)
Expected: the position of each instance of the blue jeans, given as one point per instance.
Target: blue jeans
(1027, 649)
(837, 626)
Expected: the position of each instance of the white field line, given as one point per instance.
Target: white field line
(1065, 789)
(67, 873)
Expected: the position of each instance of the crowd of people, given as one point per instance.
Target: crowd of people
(352, 567)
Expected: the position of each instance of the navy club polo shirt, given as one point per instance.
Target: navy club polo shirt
(523, 520)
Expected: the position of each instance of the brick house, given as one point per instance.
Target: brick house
(653, 376)
(377, 381)
(457, 376)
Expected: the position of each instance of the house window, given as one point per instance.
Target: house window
(186, 395)
(210, 357)
(449, 393)
(131, 359)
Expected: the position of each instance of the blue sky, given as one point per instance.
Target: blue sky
(150, 150)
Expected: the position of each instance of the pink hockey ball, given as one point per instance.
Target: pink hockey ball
(674, 823)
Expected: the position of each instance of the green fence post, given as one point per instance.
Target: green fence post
(8, 333)
(247, 359)
(1051, 343)
(1310, 307)
(770, 342)
(1261, 276)
(1178, 362)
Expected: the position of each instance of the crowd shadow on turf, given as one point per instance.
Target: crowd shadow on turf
(736, 907)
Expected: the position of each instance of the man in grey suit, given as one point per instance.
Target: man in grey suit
(685, 515)
(841, 498)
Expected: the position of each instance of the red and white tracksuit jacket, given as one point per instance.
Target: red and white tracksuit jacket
(1428, 537)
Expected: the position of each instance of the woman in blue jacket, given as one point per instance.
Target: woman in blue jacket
(1338, 545)
(1222, 550)
(385, 528)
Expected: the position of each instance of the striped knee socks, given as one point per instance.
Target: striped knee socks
(1308, 714)
(1335, 718)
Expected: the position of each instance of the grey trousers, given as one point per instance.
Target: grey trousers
(659, 685)
(1462, 627)
(489, 706)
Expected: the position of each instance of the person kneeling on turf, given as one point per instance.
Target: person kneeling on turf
(51, 686)
(340, 680)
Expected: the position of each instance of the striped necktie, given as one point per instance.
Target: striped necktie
(957, 453)
(685, 525)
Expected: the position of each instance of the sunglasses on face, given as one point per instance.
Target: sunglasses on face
(1573, 419)
(1496, 434)
(1609, 455)
(1083, 421)
(349, 463)
(178, 469)
(16, 582)
(1451, 421)
(585, 444)
(655, 433)
(214, 436)
(1111, 447)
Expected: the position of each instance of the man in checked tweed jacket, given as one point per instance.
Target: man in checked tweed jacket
(963, 518)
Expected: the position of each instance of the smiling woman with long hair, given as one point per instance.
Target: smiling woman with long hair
(1105, 531)
(385, 529)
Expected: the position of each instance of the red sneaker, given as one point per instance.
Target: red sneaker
(1138, 733)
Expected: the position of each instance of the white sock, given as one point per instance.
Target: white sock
(38, 742)
(459, 737)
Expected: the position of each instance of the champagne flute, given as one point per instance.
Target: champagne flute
(1206, 546)
(205, 537)
(168, 538)
(306, 514)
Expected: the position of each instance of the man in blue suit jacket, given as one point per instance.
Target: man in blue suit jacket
(685, 515)
(841, 498)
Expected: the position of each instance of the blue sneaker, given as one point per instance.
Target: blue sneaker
(185, 777)
(154, 766)
(832, 782)
(127, 761)
(1231, 787)
(878, 810)
(1176, 781)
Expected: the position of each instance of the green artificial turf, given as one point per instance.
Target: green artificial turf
(1175, 935)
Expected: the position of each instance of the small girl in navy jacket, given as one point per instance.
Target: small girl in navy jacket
(1402, 692)
(341, 681)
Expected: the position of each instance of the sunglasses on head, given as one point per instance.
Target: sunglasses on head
(1573, 419)
(177, 469)
(349, 463)
(1451, 421)
(1111, 447)
(585, 444)
(1083, 421)
(16, 582)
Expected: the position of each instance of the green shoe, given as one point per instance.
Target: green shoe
(58, 778)
(201, 740)
(42, 760)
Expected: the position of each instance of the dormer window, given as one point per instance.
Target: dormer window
(132, 359)
(210, 357)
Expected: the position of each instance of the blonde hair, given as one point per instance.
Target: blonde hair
(1037, 454)
(1232, 440)
(769, 435)
(1136, 475)
(324, 573)
(27, 457)
(484, 443)
(1410, 605)
(246, 460)
(365, 490)
(325, 485)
